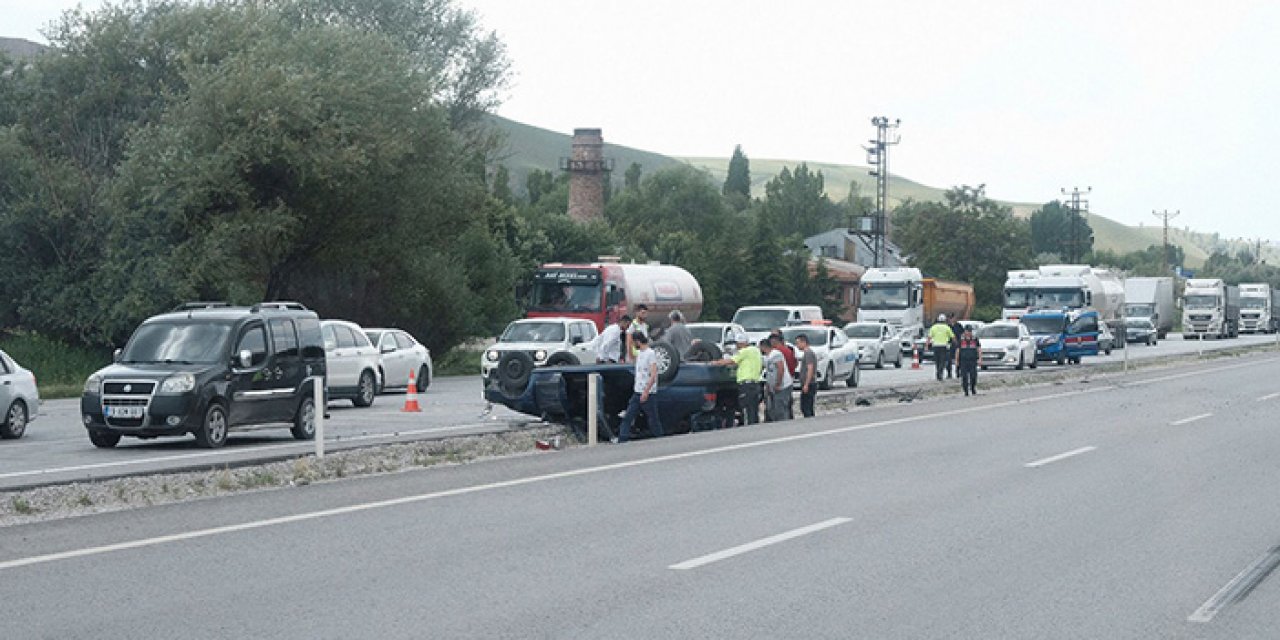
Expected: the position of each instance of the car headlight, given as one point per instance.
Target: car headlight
(93, 384)
(178, 383)
(491, 355)
(539, 355)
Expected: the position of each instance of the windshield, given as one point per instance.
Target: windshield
(1044, 325)
(862, 331)
(1201, 302)
(817, 337)
(761, 319)
(188, 343)
(1253, 303)
(998, 331)
(555, 296)
(884, 297)
(1057, 298)
(707, 334)
(1139, 309)
(1017, 298)
(533, 332)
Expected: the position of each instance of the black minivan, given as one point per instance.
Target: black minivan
(207, 368)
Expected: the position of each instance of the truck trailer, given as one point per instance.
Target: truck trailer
(1150, 299)
(1210, 307)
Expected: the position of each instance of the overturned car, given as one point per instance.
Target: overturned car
(691, 396)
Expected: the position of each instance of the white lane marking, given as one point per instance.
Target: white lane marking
(233, 451)
(1269, 396)
(366, 506)
(757, 544)
(1061, 456)
(1189, 420)
(1238, 587)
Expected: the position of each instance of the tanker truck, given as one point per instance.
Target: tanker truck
(903, 297)
(1150, 299)
(606, 290)
(1210, 307)
(1068, 287)
(1257, 308)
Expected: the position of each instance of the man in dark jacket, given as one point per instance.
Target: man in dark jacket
(968, 350)
(958, 330)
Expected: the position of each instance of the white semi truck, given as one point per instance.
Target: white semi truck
(1067, 286)
(1150, 299)
(904, 297)
(1210, 307)
(1257, 308)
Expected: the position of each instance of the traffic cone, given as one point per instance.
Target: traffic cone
(915, 358)
(411, 396)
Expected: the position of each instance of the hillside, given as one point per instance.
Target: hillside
(19, 48)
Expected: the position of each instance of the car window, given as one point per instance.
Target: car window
(405, 340)
(311, 339)
(4, 364)
(1086, 324)
(284, 336)
(346, 339)
(254, 340)
(330, 337)
(374, 336)
(361, 339)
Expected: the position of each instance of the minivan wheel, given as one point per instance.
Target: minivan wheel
(15, 421)
(104, 439)
(304, 421)
(213, 433)
(365, 391)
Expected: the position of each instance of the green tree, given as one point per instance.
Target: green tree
(1052, 231)
(502, 185)
(538, 183)
(796, 203)
(738, 180)
(631, 179)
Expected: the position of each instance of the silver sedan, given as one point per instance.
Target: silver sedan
(399, 355)
(19, 398)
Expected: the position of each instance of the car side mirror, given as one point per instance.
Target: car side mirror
(115, 355)
(388, 348)
(245, 359)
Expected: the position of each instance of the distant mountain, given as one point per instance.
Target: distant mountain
(19, 48)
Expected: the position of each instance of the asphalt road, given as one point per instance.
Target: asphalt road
(1121, 509)
(56, 448)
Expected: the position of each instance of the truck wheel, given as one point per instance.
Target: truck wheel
(104, 439)
(668, 361)
(213, 432)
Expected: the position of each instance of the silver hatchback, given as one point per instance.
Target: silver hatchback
(19, 398)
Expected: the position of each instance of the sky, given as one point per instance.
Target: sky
(1155, 105)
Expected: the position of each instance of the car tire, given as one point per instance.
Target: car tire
(1108, 351)
(513, 373)
(1062, 358)
(1034, 362)
(212, 432)
(827, 383)
(365, 389)
(854, 377)
(424, 379)
(382, 382)
(703, 352)
(668, 361)
(1022, 361)
(15, 421)
(880, 360)
(103, 439)
(304, 420)
(897, 363)
(562, 359)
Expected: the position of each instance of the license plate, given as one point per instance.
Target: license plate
(124, 413)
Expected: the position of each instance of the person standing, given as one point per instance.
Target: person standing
(610, 342)
(639, 324)
(968, 351)
(749, 363)
(957, 330)
(678, 334)
(776, 339)
(808, 375)
(643, 392)
(777, 383)
(940, 339)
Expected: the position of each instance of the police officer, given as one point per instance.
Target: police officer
(968, 350)
(940, 340)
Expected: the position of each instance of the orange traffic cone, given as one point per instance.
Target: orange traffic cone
(915, 358)
(411, 396)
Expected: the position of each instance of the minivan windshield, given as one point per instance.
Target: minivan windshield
(761, 319)
(178, 342)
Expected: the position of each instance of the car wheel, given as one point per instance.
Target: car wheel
(365, 390)
(831, 374)
(880, 360)
(897, 363)
(561, 359)
(1108, 351)
(1062, 358)
(1022, 361)
(382, 381)
(424, 379)
(1034, 362)
(104, 439)
(304, 421)
(213, 433)
(704, 352)
(15, 421)
(668, 361)
(513, 373)
(854, 377)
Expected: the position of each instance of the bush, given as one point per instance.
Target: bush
(60, 368)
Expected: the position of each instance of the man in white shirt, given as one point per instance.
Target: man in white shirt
(645, 388)
(609, 343)
(777, 383)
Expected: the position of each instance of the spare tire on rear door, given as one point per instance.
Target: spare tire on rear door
(513, 372)
(703, 352)
(668, 361)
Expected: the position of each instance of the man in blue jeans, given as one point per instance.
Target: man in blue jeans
(645, 387)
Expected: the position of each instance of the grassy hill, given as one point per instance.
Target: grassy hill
(19, 48)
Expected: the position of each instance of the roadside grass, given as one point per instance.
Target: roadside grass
(459, 362)
(60, 368)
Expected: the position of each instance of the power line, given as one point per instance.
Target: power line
(1165, 216)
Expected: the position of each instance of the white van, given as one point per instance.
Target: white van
(760, 320)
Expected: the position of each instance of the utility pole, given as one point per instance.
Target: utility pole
(878, 158)
(1076, 205)
(1165, 216)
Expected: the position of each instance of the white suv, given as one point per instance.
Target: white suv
(352, 362)
(547, 341)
